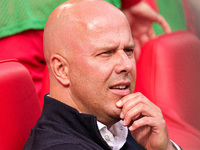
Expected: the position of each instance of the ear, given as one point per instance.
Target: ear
(59, 67)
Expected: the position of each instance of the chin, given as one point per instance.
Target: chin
(115, 114)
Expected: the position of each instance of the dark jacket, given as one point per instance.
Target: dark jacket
(62, 127)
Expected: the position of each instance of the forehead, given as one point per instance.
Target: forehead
(90, 26)
(104, 31)
(98, 16)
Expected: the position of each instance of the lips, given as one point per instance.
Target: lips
(121, 88)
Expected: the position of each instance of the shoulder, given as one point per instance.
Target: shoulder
(46, 140)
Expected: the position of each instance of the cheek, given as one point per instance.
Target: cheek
(133, 78)
(87, 72)
(97, 70)
(133, 73)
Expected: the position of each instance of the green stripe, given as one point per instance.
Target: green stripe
(172, 11)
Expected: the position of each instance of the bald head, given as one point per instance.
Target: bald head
(74, 33)
(89, 48)
(73, 19)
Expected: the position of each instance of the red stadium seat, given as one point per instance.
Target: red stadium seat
(45, 86)
(19, 105)
(168, 73)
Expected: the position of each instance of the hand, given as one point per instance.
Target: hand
(140, 17)
(145, 122)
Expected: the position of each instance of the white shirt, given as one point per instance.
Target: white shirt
(116, 135)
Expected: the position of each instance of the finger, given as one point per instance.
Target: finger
(143, 38)
(135, 107)
(140, 110)
(164, 24)
(151, 33)
(124, 99)
(155, 123)
(135, 98)
(153, 129)
(130, 101)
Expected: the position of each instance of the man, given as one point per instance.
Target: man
(89, 52)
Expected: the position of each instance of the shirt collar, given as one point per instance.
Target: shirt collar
(115, 136)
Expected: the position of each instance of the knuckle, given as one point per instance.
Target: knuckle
(162, 122)
(146, 120)
(141, 106)
(139, 93)
(128, 115)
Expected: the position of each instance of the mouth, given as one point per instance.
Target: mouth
(121, 89)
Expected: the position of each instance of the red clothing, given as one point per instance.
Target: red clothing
(27, 47)
(128, 3)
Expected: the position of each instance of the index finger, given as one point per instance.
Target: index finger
(134, 96)
(161, 20)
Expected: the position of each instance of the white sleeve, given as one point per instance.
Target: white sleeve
(176, 146)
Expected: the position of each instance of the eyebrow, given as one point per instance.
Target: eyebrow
(130, 46)
(114, 47)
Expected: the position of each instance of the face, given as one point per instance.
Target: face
(103, 68)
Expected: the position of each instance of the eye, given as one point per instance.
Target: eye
(106, 53)
(129, 52)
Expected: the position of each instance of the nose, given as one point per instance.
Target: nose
(125, 64)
